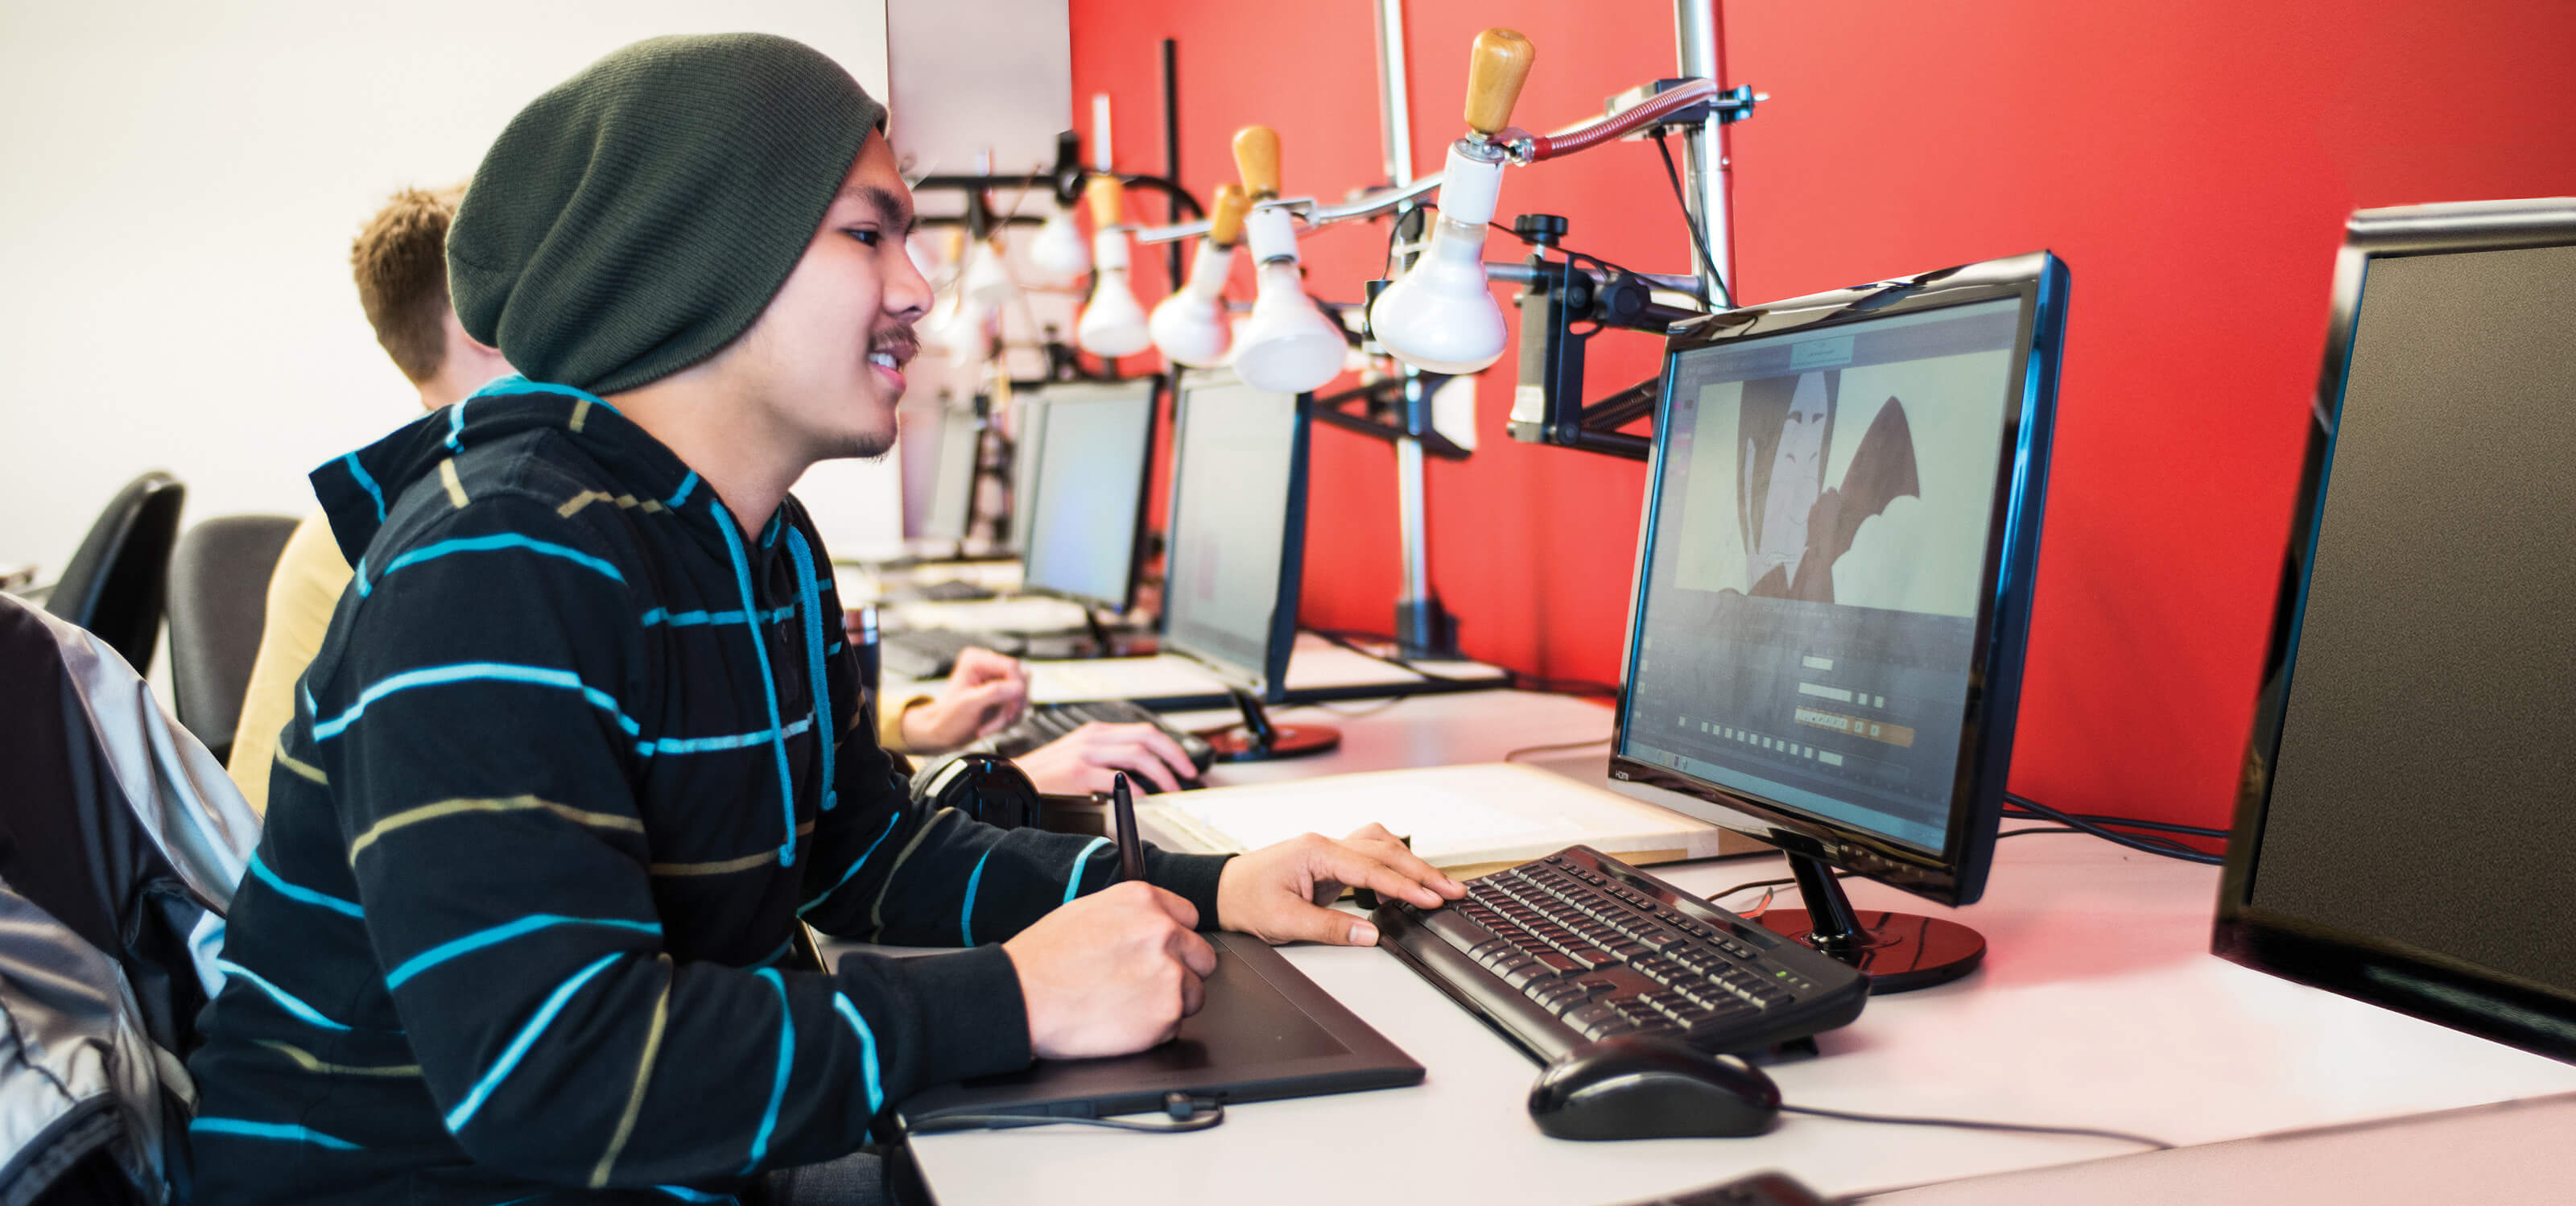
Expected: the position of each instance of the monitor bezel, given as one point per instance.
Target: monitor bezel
(1269, 681)
(1956, 874)
(1028, 441)
(1077, 393)
(2411, 980)
(959, 486)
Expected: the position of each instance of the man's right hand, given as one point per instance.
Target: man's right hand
(1112, 973)
(1082, 761)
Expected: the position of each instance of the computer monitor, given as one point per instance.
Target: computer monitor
(953, 472)
(2402, 827)
(1088, 505)
(1237, 550)
(1028, 440)
(1833, 589)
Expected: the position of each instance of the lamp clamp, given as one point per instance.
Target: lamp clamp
(1563, 305)
(1728, 106)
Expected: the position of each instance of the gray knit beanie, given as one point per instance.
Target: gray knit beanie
(636, 218)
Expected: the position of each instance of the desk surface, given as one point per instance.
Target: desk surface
(2098, 1006)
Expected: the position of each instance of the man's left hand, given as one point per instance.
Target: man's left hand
(1278, 893)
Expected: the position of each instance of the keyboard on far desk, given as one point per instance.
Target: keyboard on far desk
(1578, 947)
(926, 653)
(1046, 722)
(953, 590)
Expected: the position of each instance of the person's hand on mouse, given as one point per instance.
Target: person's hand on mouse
(1279, 892)
(1082, 761)
(1111, 973)
(983, 695)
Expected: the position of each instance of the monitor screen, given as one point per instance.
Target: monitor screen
(952, 483)
(1817, 558)
(1090, 492)
(1238, 528)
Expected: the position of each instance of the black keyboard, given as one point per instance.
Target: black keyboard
(1578, 947)
(1046, 722)
(924, 653)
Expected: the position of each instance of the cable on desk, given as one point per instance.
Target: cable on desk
(1351, 639)
(1713, 898)
(2144, 843)
(1515, 755)
(2013, 806)
(1973, 1124)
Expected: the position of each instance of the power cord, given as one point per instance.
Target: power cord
(1185, 1113)
(1698, 238)
(1776, 883)
(1515, 755)
(2145, 843)
(1973, 1124)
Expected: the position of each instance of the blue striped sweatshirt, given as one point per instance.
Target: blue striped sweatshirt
(577, 755)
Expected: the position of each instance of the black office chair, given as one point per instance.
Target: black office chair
(218, 605)
(113, 586)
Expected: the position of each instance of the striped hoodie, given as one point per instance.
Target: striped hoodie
(576, 756)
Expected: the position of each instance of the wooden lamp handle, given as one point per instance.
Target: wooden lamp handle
(1107, 194)
(1256, 156)
(1496, 68)
(1225, 221)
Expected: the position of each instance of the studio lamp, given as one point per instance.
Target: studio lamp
(1189, 326)
(984, 280)
(1440, 316)
(1288, 346)
(1112, 324)
(1058, 249)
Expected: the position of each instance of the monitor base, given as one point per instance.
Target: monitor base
(1899, 952)
(1286, 741)
(1258, 740)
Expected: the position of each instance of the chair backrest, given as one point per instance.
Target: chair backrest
(218, 605)
(113, 585)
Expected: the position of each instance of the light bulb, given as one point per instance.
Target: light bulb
(960, 327)
(1189, 326)
(984, 279)
(1112, 324)
(1058, 249)
(1440, 316)
(1288, 346)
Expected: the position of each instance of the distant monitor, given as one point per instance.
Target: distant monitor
(952, 488)
(1833, 589)
(1028, 440)
(2404, 823)
(1237, 551)
(1088, 502)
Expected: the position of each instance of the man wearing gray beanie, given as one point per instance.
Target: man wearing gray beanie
(579, 752)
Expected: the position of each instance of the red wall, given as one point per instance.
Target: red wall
(2191, 161)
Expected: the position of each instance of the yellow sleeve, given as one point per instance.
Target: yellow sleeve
(302, 594)
(890, 724)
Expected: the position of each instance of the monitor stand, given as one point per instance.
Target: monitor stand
(1899, 952)
(1258, 740)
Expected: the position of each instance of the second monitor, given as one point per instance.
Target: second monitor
(1086, 492)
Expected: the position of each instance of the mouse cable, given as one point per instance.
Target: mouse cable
(1187, 1113)
(1973, 1124)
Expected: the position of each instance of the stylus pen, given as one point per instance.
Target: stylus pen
(1122, 820)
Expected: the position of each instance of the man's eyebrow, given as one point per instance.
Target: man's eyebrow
(891, 208)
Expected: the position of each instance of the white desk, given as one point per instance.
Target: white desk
(2098, 1006)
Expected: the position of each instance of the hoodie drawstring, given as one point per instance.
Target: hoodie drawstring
(819, 686)
(768, 679)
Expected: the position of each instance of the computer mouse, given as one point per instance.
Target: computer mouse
(1637, 1088)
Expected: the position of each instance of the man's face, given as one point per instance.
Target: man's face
(822, 368)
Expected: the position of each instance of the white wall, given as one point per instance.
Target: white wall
(181, 183)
